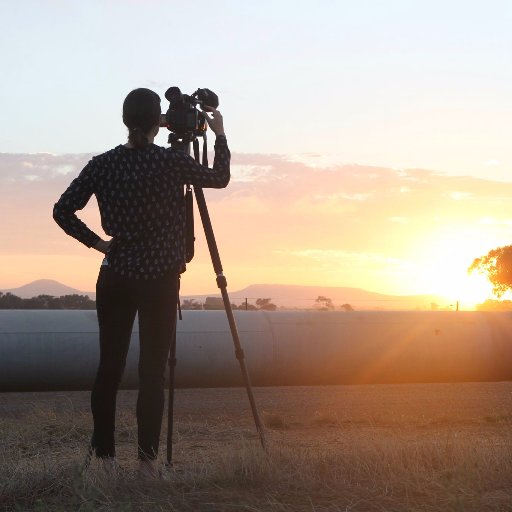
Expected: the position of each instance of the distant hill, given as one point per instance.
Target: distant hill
(46, 287)
(283, 295)
(303, 297)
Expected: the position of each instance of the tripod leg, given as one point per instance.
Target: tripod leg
(239, 353)
(222, 284)
(172, 367)
(170, 410)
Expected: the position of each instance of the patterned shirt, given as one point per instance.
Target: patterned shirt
(141, 202)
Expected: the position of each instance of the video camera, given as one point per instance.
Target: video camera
(183, 118)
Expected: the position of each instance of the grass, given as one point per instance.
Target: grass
(318, 460)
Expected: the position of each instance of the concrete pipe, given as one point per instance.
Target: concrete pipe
(58, 350)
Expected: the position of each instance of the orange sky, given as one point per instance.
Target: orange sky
(282, 221)
(397, 84)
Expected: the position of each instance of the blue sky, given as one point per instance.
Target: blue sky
(403, 84)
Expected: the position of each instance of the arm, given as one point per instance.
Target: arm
(196, 174)
(75, 198)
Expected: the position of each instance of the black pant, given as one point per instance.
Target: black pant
(118, 299)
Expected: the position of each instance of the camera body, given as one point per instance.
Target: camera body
(183, 118)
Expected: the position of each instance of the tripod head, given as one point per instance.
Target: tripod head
(181, 143)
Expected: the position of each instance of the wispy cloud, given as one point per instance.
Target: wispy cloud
(278, 219)
(338, 257)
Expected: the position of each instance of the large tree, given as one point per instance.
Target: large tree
(497, 266)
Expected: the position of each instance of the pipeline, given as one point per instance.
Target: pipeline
(58, 350)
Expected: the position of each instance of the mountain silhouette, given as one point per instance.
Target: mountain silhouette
(283, 295)
(303, 297)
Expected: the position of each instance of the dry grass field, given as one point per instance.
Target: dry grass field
(417, 447)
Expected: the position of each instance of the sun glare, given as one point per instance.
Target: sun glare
(457, 286)
(446, 271)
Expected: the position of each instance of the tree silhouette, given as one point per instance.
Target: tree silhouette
(495, 305)
(75, 301)
(347, 307)
(265, 304)
(42, 302)
(191, 304)
(497, 266)
(324, 303)
(10, 301)
(213, 303)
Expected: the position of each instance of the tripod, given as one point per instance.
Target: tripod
(184, 145)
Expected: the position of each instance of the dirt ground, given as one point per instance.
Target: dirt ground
(367, 426)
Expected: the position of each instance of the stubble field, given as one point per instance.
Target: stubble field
(409, 447)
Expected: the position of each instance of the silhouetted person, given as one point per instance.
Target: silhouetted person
(139, 188)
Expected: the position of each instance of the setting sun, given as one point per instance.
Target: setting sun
(446, 268)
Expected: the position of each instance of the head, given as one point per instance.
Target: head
(141, 115)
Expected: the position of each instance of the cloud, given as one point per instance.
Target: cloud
(341, 196)
(43, 165)
(247, 172)
(278, 219)
(347, 257)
